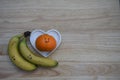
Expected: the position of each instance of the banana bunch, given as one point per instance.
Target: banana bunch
(23, 57)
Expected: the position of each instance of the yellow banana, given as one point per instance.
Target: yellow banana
(31, 57)
(15, 56)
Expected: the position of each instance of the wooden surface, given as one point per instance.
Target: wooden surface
(90, 30)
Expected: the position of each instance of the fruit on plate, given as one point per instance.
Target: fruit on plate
(45, 42)
(15, 56)
(31, 57)
(21, 55)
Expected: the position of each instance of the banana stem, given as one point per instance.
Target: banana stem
(19, 35)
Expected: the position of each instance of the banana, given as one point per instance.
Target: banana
(15, 56)
(31, 57)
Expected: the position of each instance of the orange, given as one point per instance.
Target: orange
(45, 42)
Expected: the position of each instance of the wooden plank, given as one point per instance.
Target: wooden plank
(108, 78)
(68, 69)
(82, 57)
(55, 78)
(67, 4)
(70, 78)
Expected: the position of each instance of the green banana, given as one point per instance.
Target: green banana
(31, 57)
(15, 56)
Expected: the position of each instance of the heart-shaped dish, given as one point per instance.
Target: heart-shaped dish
(36, 33)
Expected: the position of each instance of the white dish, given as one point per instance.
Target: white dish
(36, 33)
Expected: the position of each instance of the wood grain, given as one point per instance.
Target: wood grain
(90, 30)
